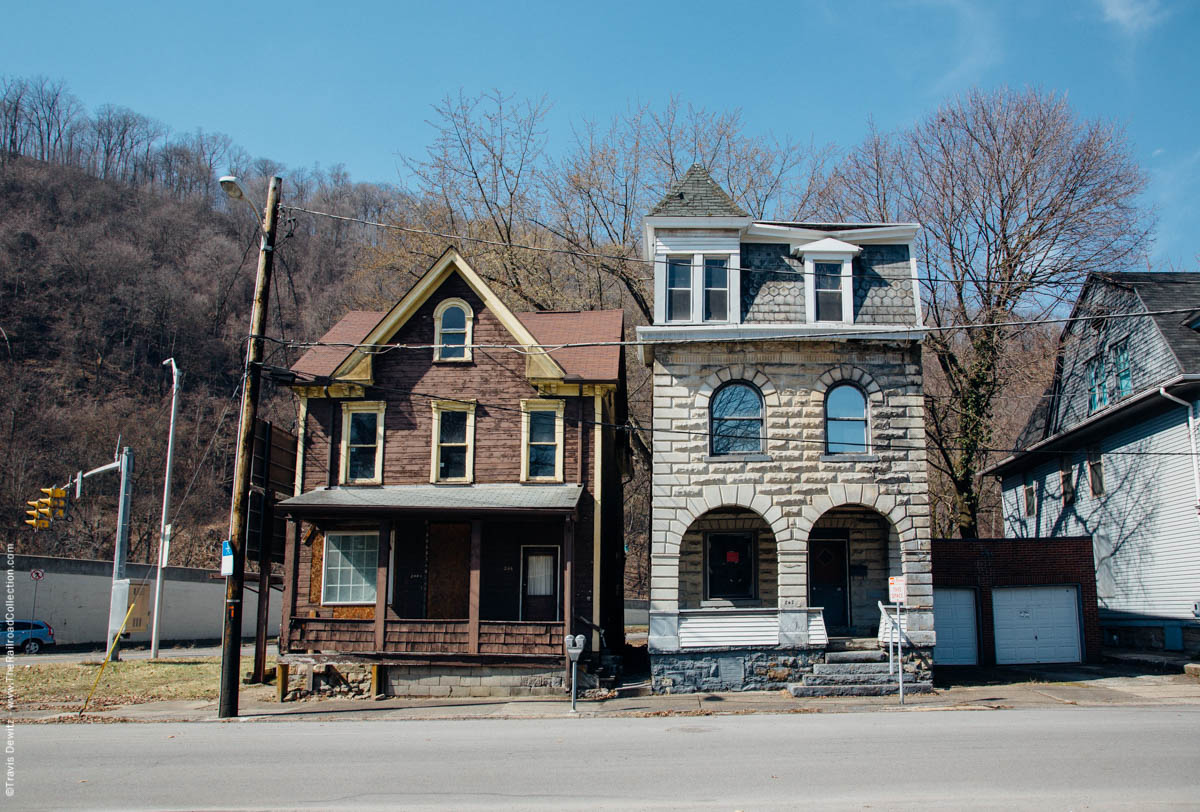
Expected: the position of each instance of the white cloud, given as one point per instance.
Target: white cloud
(1133, 17)
(978, 45)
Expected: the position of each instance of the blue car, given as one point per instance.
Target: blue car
(31, 636)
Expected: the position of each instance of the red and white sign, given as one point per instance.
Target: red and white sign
(897, 589)
(37, 575)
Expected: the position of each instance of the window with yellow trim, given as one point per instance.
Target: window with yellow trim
(453, 441)
(453, 324)
(542, 440)
(362, 443)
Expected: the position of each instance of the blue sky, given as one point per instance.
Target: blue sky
(353, 83)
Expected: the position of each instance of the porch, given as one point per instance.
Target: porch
(473, 582)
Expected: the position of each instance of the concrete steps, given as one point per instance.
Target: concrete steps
(856, 669)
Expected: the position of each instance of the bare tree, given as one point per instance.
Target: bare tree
(1019, 199)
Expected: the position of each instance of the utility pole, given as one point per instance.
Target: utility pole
(164, 538)
(119, 598)
(231, 640)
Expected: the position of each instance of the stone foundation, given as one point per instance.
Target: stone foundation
(730, 670)
(753, 669)
(459, 681)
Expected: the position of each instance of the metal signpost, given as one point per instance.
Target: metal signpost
(575, 646)
(35, 576)
(898, 594)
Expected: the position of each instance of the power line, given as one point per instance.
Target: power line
(630, 427)
(883, 335)
(907, 277)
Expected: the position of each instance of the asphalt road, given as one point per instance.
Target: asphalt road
(1053, 758)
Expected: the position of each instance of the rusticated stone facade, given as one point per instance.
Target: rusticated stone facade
(794, 483)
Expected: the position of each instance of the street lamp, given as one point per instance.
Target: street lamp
(231, 638)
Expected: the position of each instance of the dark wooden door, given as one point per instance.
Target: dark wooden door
(449, 571)
(539, 583)
(827, 583)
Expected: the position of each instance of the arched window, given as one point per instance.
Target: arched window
(736, 419)
(846, 420)
(452, 322)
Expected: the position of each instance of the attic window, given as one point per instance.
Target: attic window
(452, 329)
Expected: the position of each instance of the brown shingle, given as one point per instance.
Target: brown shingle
(352, 329)
(580, 363)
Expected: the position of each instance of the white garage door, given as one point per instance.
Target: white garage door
(1037, 624)
(954, 623)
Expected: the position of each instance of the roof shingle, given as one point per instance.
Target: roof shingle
(322, 361)
(696, 194)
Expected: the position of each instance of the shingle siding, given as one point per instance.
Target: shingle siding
(1151, 360)
(772, 291)
(883, 286)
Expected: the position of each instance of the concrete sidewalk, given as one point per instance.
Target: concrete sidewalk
(975, 689)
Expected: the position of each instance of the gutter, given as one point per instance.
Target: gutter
(1105, 414)
(1191, 441)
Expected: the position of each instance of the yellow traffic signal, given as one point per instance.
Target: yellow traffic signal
(38, 517)
(56, 498)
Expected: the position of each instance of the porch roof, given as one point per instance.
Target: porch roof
(451, 498)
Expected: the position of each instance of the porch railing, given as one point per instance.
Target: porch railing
(423, 636)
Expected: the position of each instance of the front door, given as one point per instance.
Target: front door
(539, 583)
(449, 571)
(827, 583)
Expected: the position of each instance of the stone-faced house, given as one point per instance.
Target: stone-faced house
(789, 476)
(1111, 455)
(458, 501)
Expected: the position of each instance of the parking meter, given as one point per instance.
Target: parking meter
(575, 646)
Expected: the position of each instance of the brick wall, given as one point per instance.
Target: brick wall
(983, 564)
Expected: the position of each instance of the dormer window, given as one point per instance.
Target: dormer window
(679, 289)
(829, 281)
(452, 327)
(828, 286)
(716, 288)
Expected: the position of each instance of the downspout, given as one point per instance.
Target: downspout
(1162, 390)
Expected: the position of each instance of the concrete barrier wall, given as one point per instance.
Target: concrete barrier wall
(74, 594)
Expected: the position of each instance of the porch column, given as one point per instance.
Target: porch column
(291, 555)
(473, 595)
(381, 581)
(568, 559)
(567, 573)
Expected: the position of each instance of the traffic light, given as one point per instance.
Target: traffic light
(39, 517)
(58, 500)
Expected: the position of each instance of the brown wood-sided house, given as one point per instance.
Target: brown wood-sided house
(458, 501)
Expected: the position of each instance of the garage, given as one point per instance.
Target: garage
(1036, 624)
(954, 619)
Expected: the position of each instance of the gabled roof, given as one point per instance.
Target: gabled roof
(352, 328)
(696, 194)
(538, 365)
(540, 329)
(581, 363)
(830, 245)
(1170, 291)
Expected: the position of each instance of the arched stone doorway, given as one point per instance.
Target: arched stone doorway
(851, 552)
(728, 558)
